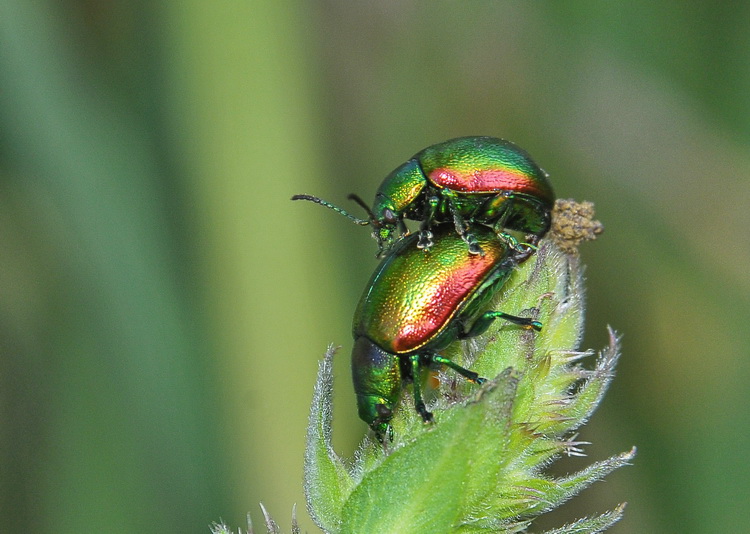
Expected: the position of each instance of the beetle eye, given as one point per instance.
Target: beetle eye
(390, 217)
(384, 412)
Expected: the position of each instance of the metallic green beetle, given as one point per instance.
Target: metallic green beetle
(465, 181)
(417, 304)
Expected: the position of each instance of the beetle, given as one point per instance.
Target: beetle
(466, 181)
(416, 305)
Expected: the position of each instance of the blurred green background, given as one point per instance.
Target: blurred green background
(163, 304)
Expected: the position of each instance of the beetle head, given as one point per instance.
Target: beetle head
(385, 230)
(384, 220)
(377, 384)
(377, 413)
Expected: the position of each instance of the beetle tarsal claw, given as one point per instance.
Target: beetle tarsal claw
(474, 248)
(426, 416)
(525, 247)
(425, 239)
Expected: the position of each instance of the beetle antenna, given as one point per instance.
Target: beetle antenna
(358, 200)
(345, 213)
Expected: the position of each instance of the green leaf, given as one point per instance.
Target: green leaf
(327, 480)
(591, 525)
(416, 486)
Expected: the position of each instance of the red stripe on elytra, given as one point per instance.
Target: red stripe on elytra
(485, 181)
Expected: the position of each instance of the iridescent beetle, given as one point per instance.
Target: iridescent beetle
(416, 305)
(466, 181)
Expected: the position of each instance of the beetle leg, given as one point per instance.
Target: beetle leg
(485, 320)
(404, 231)
(511, 241)
(417, 385)
(462, 227)
(525, 249)
(514, 244)
(506, 208)
(466, 373)
(425, 235)
(499, 226)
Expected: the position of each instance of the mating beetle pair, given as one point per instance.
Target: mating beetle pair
(417, 304)
(466, 181)
(431, 287)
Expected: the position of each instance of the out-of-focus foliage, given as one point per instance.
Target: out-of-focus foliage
(163, 305)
